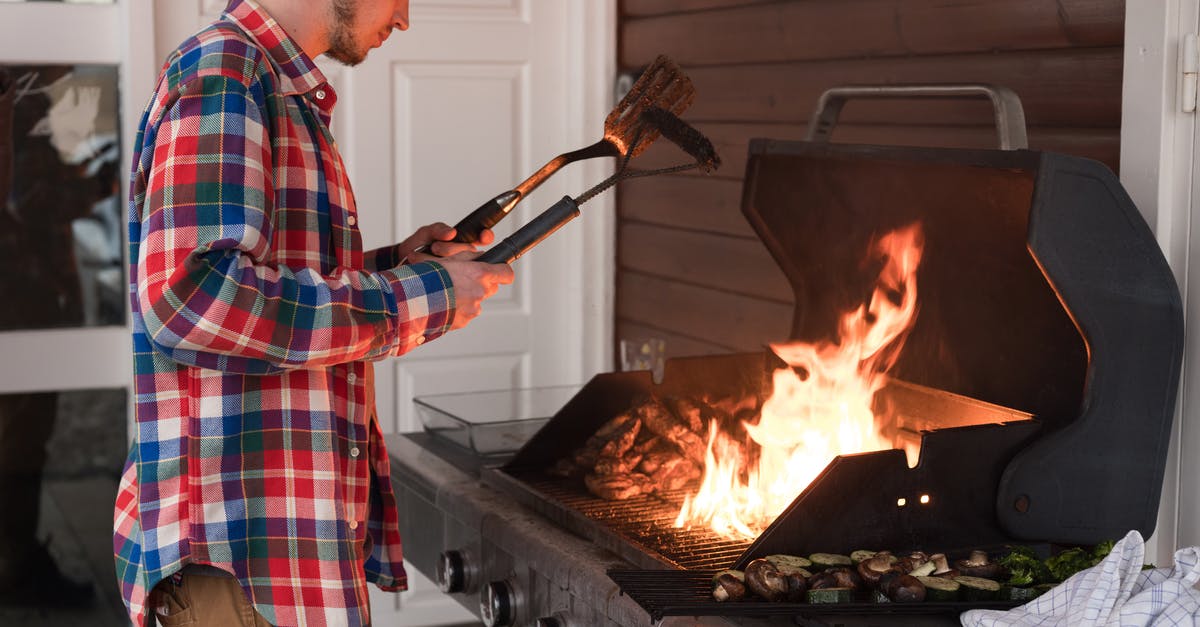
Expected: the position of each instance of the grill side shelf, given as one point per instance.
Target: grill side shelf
(689, 593)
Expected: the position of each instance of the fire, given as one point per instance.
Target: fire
(820, 406)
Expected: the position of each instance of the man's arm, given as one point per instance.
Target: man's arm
(207, 292)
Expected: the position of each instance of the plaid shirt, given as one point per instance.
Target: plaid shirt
(255, 311)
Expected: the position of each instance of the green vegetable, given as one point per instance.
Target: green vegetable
(1074, 560)
(1101, 551)
(1024, 567)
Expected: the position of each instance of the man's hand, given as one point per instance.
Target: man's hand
(473, 282)
(436, 240)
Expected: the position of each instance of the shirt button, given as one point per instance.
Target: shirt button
(351, 377)
(352, 220)
(320, 94)
(354, 452)
(354, 524)
(420, 340)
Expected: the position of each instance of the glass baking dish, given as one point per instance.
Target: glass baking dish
(493, 422)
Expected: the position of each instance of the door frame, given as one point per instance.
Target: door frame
(1158, 144)
(118, 34)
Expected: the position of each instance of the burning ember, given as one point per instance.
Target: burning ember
(820, 407)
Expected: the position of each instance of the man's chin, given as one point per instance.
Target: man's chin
(347, 57)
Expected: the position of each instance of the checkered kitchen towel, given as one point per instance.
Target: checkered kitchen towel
(1114, 592)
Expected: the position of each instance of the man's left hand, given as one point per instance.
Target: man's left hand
(436, 238)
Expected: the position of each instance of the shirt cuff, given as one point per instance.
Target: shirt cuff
(424, 303)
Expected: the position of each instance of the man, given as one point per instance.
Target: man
(257, 489)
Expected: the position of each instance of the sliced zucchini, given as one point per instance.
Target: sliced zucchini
(789, 562)
(1017, 593)
(831, 595)
(939, 589)
(978, 588)
(861, 555)
(821, 561)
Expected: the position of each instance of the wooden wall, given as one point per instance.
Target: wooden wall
(689, 269)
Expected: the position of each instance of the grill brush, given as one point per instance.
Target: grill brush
(663, 122)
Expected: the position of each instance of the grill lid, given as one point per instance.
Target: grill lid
(1041, 289)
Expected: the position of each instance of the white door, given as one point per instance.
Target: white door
(473, 98)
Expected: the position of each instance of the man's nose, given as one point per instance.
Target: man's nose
(400, 18)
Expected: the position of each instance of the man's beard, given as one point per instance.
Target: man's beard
(342, 47)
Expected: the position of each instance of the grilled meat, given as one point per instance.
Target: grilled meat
(618, 487)
(666, 425)
(654, 446)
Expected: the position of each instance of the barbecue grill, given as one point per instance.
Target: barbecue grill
(1038, 379)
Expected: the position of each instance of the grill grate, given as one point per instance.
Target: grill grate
(689, 593)
(647, 522)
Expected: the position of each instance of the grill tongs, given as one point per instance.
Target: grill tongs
(662, 122)
(627, 133)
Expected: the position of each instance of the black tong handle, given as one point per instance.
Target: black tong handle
(485, 217)
(535, 231)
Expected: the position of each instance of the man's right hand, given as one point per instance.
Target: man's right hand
(473, 282)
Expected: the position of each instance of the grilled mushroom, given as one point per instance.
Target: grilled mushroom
(840, 577)
(978, 565)
(871, 570)
(764, 579)
(728, 585)
(905, 589)
(941, 567)
(912, 561)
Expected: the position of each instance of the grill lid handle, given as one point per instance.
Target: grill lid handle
(1009, 114)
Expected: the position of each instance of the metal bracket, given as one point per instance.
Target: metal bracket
(1009, 114)
(1191, 66)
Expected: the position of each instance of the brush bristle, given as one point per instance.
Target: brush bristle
(683, 135)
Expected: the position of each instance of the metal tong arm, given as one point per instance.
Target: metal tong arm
(494, 210)
(535, 231)
(1009, 114)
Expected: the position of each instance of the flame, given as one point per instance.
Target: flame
(820, 406)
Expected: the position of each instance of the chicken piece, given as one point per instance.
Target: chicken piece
(606, 465)
(666, 425)
(599, 444)
(689, 411)
(617, 487)
(649, 443)
(675, 473)
(654, 459)
(619, 438)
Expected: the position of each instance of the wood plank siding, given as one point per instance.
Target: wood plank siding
(689, 268)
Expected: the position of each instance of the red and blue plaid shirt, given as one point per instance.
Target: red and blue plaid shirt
(255, 313)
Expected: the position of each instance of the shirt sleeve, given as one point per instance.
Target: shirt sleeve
(381, 258)
(208, 293)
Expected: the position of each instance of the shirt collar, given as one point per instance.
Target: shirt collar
(298, 73)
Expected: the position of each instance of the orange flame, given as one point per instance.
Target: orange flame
(820, 406)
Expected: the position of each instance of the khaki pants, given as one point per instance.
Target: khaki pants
(210, 599)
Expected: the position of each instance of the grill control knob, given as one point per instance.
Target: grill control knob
(455, 572)
(498, 604)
